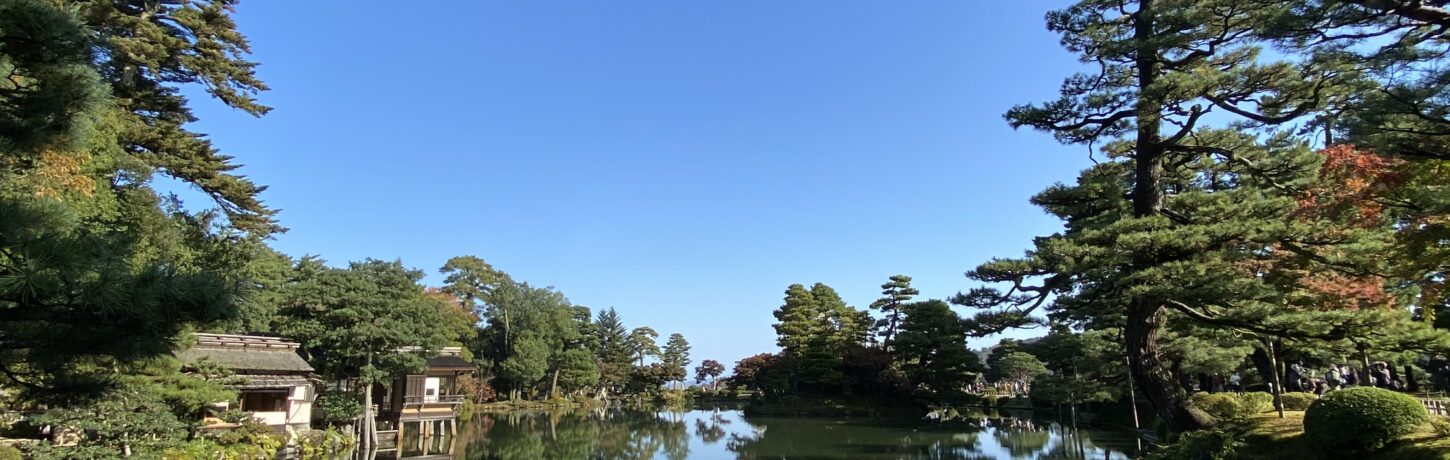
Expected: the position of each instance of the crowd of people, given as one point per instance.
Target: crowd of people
(1299, 378)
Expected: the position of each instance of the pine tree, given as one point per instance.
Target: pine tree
(145, 51)
(895, 294)
(1161, 67)
(642, 343)
(932, 347)
(616, 349)
(676, 356)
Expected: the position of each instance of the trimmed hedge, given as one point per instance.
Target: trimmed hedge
(1298, 401)
(1361, 419)
(1257, 402)
(1233, 406)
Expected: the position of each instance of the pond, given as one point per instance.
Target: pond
(727, 434)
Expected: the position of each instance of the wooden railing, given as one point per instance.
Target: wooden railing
(441, 399)
(1437, 407)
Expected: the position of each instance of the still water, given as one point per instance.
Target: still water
(727, 434)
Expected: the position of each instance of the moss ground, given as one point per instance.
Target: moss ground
(1272, 438)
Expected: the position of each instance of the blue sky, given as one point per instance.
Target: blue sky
(682, 162)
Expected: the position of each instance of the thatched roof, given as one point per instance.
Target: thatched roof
(449, 362)
(244, 354)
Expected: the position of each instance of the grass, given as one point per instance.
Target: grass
(1272, 438)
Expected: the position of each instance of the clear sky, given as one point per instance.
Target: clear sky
(682, 162)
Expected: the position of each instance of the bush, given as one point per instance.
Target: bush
(1219, 405)
(1256, 402)
(10, 453)
(1201, 445)
(1297, 401)
(1362, 419)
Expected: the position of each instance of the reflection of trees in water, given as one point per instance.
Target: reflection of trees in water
(1021, 438)
(816, 438)
(576, 435)
(709, 432)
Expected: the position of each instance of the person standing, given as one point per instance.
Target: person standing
(1332, 378)
(1236, 382)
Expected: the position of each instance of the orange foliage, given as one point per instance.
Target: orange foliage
(1350, 182)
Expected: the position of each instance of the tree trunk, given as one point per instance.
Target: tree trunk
(369, 423)
(1154, 380)
(1146, 316)
(554, 385)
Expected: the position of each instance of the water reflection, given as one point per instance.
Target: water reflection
(725, 434)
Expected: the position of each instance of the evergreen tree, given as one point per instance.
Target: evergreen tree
(1200, 203)
(145, 51)
(351, 322)
(643, 345)
(616, 349)
(932, 347)
(93, 278)
(894, 295)
(816, 328)
(676, 356)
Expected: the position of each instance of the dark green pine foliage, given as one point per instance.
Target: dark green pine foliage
(932, 348)
(894, 295)
(615, 349)
(352, 321)
(815, 327)
(80, 300)
(676, 356)
(642, 343)
(1174, 225)
(146, 51)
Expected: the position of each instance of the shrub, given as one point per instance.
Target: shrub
(1441, 426)
(1256, 402)
(10, 453)
(1361, 419)
(1297, 401)
(1201, 445)
(1219, 405)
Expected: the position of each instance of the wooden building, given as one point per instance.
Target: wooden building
(275, 384)
(432, 395)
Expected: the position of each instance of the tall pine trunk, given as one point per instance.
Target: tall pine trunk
(1145, 317)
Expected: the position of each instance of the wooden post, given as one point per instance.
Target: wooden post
(1278, 385)
(1133, 402)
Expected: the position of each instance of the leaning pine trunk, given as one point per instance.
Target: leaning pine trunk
(1153, 378)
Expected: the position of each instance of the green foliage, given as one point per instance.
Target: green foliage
(643, 345)
(894, 296)
(1019, 367)
(676, 356)
(324, 444)
(1255, 402)
(932, 347)
(352, 321)
(10, 453)
(51, 93)
(166, 45)
(129, 417)
(337, 406)
(1297, 400)
(1361, 419)
(815, 327)
(1202, 445)
(1440, 426)
(529, 361)
(1224, 405)
(577, 369)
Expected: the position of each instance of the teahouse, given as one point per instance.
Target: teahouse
(429, 396)
(275, 383)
